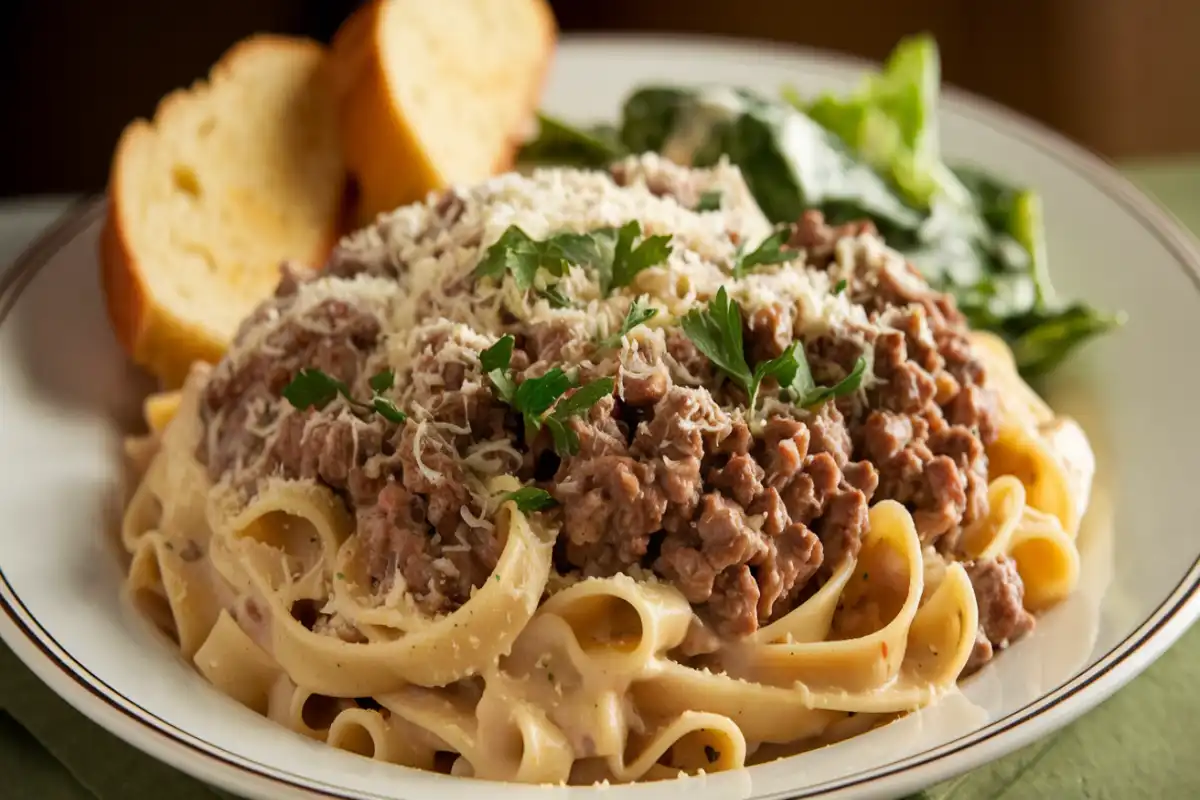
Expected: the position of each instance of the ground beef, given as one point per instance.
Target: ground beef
(669, 475)
(818, 239)
(1002, 615)
(334, 337)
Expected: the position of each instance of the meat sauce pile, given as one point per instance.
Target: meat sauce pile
(671, 477)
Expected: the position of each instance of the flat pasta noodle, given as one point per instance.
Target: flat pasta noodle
(458, 645)
(232, 662)
(392, 739)
(302, 710)
(1049, 454)
(176, 593)
(1046, 557)
(546, 678)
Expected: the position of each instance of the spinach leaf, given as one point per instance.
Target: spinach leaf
(559, 142)
(1042, 339)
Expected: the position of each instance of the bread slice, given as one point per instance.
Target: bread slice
(232, 177)
(436, 93)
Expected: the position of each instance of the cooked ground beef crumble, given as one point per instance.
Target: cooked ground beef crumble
(745, 511)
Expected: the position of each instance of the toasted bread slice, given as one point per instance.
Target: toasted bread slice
(232, 177)
(436, 93)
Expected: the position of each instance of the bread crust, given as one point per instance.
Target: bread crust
(380, 149)
(154, 337)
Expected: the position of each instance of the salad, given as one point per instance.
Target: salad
(872, 154)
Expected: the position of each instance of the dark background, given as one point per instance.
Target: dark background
(1118, 75)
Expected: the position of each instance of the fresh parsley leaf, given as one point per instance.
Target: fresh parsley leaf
(566, 441)
(554, 296)
(583, 398)
(709, 201)
(847, 385)
(535, 395)
(498, 356)
(639, 313)
(387, 409)
(840, 287)
(312, 388)
(787, 369)
(628, 260)
(531, 498)
(516, 252)
(494, 362)
(380, 382)
(716, 330)
(768, 252)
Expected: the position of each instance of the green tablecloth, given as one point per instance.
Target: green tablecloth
(1140, 743)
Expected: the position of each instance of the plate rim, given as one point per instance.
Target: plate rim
(37, 648)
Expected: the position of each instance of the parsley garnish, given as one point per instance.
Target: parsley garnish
(554, 296)
(638, 313)
(494, 362)
(312, 388)
(847, 385)
(709, 201)
(628, 261)
(566, 441)
(380, 382)
(535, 396)
(611, 252)
(841, 286)
(516, 252)
(768, 252)
(717, 333)
(530, 498)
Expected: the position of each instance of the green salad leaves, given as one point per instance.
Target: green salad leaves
(873, 153)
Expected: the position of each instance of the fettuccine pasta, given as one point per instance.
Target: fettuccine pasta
(365, 525)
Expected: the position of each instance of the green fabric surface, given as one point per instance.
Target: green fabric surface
(1140, 743)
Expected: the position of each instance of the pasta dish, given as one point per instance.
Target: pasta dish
(597, 474)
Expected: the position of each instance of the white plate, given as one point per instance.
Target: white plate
(66, 395)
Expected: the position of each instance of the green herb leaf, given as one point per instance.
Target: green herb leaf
(628, 260)
(554, 296)
(517, 253)
(769, 251)
(566, 441)
(716, 330)
(380, 382)
(498, 356)
(494, 361)
(531, 498)
(535, 395)
(841, 287)
(847, 385)
(387, 409)
(583, 398)
(639, 313)
(709, 201)
(789, 369)
(312, 388)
